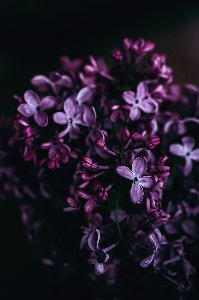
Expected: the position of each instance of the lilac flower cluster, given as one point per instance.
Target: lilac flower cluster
(100, 136)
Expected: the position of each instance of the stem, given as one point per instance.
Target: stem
(172, 175)
(116, 212)
(142, 278)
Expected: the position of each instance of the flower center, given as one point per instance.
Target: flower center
(188, 153)
(136, 101)
(38, 108)
(101, 256)
(70, 121)
(135, 180)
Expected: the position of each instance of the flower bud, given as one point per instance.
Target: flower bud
(100, 143)
(88, 163)
(127, 43)
(162, 160)
(151, 142)
(117, 55)
(72, 202)
(89, 206)
(102, 194)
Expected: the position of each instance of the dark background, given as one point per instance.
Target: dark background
(33, 35)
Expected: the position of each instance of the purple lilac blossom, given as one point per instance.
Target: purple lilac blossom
(72, 117)
(55, 81)
(139, 167)
(186, 151)
(102, 256)
(141, 101)
(36, 107)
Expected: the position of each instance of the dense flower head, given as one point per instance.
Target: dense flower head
(104, 146)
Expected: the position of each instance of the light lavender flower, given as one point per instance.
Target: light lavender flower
(141, 101)
(139, 167)
(36, 107)
(186, 151)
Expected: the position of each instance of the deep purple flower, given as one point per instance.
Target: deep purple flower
(82, 179)
(55, 147)
(36, 107)
(119, 113)
(139, 167)
(140, 47)
(160, 68)
(141, 101)
(152, 142)
(90, 203)
(88, 163)
(186, 151)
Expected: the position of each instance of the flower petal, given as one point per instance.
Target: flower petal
(46, 145)
(99, 268)
(48, 102)
(177, 149)
(191, 228)
(40, 81)
(139, 166)
(125, 172)
(146, 181)
(52, 153)
(74, 131)
(188, 166)
(41, 118)
(70, 108)
(26, 110)
(93, 240)
(65, 81)
(128, 97)
(142, 90)
(78, 119)
(195, 154)
(32, 98)
(148, 105)
(136, 193)
(188, 143)
(85, 95)
(89, 116)
(134, 113)
(60, 118)
(146, 261)
(64, 132)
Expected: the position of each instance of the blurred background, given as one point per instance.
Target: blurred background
(33, 35)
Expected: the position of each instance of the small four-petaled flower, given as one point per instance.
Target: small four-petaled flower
(139, 166)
